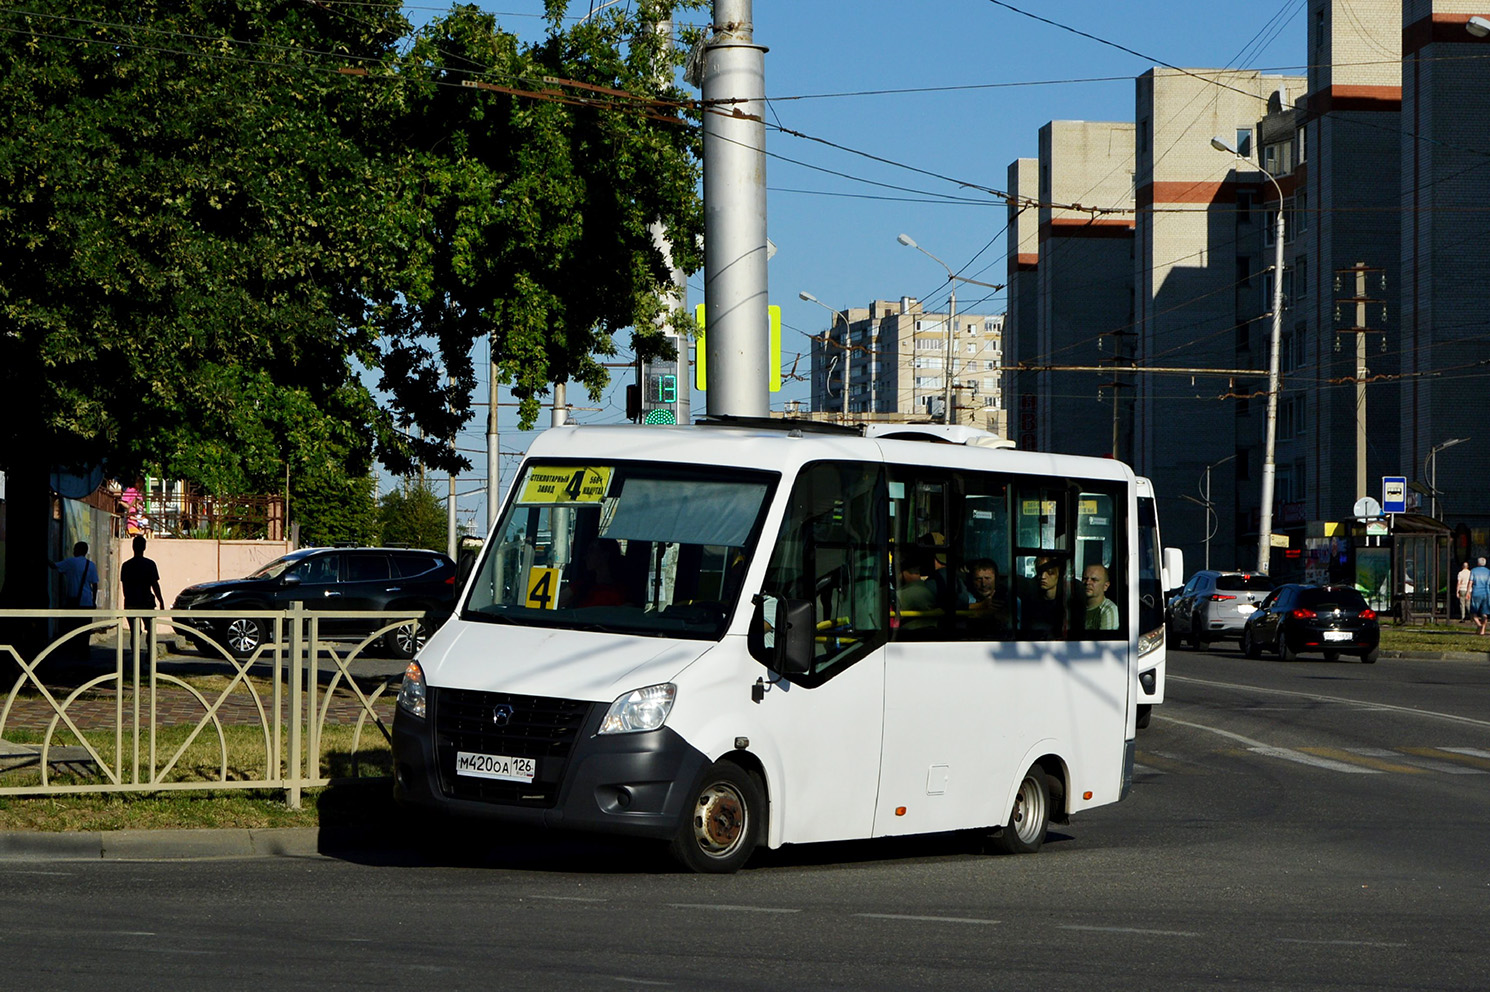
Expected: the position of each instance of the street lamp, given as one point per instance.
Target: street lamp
(952, 280)
(1478, 26)
(906, 240)
(1432, 473)
(1265, 521)
(1210, 507)
(848, 346)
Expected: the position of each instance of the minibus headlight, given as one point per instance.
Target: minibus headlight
(644, 709)
(1151, 641)
(411, 692)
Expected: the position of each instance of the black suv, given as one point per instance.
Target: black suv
(331, 579)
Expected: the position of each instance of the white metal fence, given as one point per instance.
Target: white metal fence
(135, 716)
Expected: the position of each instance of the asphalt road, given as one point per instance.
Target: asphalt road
(1306, 826)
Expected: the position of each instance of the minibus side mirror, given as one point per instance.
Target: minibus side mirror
(781, 633)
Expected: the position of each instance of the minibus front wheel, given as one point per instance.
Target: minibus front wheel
(724, 820)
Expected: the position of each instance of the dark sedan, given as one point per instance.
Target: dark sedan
(1296, 618)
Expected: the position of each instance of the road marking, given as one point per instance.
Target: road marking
(1478, 757)
(1303, 758)
(731, 909)
(1155, 933)
(567, 898)
(1360, 755)
(1452, 718)
(1426, 759)
(1341, 943)
(925, 919)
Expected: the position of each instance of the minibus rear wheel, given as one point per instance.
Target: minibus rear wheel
(1030, 817)
(724, 821)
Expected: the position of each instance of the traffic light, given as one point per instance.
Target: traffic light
(633, 403)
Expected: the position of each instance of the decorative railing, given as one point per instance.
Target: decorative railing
(112, 705)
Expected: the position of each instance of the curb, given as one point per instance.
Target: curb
(147, 845)
(1435, 655)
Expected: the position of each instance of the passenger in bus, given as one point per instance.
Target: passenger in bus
(1043, 613)
(990, 610)
(914, 595)
(1101, 612)
(599, 582)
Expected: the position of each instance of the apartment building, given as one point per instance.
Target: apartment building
(892, 359)
(1084, 289)
(1441, 333)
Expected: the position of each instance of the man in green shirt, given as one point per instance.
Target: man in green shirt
(1101, 612)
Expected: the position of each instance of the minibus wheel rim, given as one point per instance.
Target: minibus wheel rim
(720, 820)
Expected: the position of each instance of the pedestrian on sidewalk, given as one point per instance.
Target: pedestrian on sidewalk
(79, 592)
(1462, 589)
(1479, 595)
(140, 580)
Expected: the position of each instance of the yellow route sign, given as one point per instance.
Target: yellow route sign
(543, 589)
(566, 484)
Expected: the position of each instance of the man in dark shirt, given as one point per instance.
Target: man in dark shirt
(140, 580)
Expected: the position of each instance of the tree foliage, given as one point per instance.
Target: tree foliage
(333, 508)
(216, 215)
(413, 515)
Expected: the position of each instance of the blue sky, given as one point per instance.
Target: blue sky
(957, 89)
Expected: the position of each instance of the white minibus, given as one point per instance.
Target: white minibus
(748, 632)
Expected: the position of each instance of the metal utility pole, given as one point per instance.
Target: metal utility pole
(1360, 330)
(493, 447)
(735, 281)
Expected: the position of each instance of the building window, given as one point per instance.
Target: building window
(1244, 206)
(1244, 271)
(1300, 278)
(1300, 212)
(1244, 141)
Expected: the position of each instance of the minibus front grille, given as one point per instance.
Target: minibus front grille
(501, 723)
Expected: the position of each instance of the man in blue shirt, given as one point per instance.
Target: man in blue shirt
(79, 579)
(79, 592)
(1479, 595)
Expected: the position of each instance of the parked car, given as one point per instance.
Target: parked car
(1215, 605)
(331, 579)
(1296, 618)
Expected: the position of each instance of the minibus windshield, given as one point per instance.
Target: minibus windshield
(637, 548)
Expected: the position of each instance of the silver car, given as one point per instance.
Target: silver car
(1215, 605)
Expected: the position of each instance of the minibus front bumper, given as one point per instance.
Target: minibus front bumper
(636, 784)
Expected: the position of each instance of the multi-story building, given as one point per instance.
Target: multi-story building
(891, 359)
(1379, 161)
(1441, 331)
(1022, 330)
(1084, 289)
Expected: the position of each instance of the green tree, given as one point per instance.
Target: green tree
(336, 509)
(216, 214)
(535, 209)
(413, 515)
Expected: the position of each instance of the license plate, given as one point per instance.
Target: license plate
(1337, 635)
(1246, 608)
(497, 766)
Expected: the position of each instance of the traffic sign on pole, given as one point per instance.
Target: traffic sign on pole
(1394, 494)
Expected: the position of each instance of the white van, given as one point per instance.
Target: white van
(774, 632)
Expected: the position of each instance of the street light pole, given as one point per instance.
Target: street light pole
(848, 346)
(1432, 460)
(1265, 512)
(906, 240)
